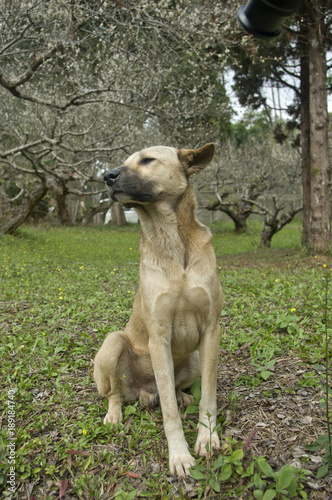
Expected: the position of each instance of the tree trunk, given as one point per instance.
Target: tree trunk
(240, 224)
(117, 215)
(87, 216)
(5, 209)
(305, 128)
(63, 212)
(272, 224)
(239, 218)
(19, 215)
(266, 235)
(318, 226)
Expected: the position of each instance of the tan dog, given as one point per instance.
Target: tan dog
(173, 335)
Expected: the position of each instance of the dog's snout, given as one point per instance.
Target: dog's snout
(111, 177)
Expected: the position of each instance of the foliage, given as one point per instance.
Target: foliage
(64, 289)
(83, 82)
(253, 124)
(283, 484)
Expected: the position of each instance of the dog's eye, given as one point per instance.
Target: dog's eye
(146, 161)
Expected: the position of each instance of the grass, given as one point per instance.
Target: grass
(63, 290)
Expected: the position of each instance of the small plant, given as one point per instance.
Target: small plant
(322, 442)
(233, 400)
(123, 495)
(308, 380)
(220, 470)
(230, 469)
(262, 360)
(290, 323)
(263, 369)
(266, 484)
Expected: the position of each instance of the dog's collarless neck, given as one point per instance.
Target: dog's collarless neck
(172, 235)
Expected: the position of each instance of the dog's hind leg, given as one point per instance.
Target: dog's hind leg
(106, 373)
(183, 398)
(185, 374)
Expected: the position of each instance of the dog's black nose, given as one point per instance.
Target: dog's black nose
(111, 177)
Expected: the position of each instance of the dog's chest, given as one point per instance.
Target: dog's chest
(187, 309)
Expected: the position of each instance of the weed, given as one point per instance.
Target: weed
(267, 484)
(262, 360)
(230, 467)
(234, 398)
(219, 469)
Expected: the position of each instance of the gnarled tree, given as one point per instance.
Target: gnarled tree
(246, 177)
(275, 219)
(81, 82)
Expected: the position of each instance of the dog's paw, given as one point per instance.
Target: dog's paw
(148, 398)
(202, 446)
(113, 416)
(179, 464)
(183, 398)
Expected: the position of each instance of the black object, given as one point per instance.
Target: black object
(262, 18)
(111, 177)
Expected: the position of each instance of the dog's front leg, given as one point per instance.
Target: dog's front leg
(180, 460)
(207, 437)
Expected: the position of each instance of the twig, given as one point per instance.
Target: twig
(327, 367)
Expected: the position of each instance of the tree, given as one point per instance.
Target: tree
(12, 218)
(274, 221)
(82, 82)
(246, 177)
(50, 142)
(89, 214)
(117, 214)
(317, 171)
(297, 60)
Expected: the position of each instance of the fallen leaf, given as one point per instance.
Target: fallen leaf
(133, 475)
(63, 487)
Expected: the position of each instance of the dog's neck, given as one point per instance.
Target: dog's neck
(171, 231)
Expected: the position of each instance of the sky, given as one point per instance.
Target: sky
(286, 98)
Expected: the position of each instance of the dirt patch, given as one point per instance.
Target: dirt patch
(278, 258)
(284, 411)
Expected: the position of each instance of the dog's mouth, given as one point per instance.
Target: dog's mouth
(129, 197)
(127, 187)
(114, 193)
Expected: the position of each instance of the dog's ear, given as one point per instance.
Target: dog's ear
(194, 160)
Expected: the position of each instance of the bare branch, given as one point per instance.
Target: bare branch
(19, 168)
(11, 84)
(17, 196)
(19, 149)
(15, 40)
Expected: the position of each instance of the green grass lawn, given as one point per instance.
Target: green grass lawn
(63, 290)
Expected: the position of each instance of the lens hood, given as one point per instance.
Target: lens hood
(263, 18)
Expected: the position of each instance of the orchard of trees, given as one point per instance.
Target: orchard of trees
(84, 83)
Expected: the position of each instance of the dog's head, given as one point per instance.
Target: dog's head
(157, 173)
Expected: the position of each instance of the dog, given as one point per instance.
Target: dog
(173, 335)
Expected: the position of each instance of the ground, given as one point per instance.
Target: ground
(285, 416)
(65, 289)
